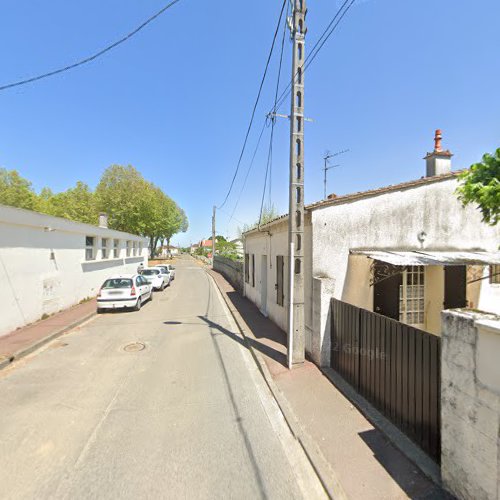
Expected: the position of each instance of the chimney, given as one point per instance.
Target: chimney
(103, 220)
(438, 162)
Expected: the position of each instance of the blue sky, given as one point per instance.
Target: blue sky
(175, 100)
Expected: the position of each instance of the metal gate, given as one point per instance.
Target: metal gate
(394, 366)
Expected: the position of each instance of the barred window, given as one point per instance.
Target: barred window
(495, 274)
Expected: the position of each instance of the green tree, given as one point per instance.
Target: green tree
(269, 213)
(481, 184)
(123, 194)
(16, 191)
(76, 204)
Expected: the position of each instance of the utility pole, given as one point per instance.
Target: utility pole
(213, 236)
(296, 337)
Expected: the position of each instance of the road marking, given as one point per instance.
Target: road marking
(301, 467)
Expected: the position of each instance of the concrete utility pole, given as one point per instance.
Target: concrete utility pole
(213, 236)
(296, 338)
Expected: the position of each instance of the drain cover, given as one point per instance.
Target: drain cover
(134, 347)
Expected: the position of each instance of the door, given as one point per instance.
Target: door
(263, 285)
(455, 283)
(280, 265)
(388, 279)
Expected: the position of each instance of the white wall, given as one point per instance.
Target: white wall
(43, 268)
(470, 405)
(272, 245)
(393, 220)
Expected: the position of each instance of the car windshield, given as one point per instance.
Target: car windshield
(150, 272)
(118, 283)
(163, 269)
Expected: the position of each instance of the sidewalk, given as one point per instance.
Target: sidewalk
(352, 457)
(21, 342)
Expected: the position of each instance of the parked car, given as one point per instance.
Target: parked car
(169, 268)
(122, 291)
(156, 277)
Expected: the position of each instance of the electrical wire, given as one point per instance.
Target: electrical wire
(93, 57)
(327, 32)
(269, 168)
(255, 106)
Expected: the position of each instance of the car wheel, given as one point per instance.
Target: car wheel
(99, 310)
(151, 295)
(138, 305)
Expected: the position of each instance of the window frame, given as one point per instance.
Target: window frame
(494, 270)
(104, 248)
(253, 270)
(247, 268)
(116, 248)
(91, 247)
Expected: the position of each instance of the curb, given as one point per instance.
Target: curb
(39, 343)
(323, 470)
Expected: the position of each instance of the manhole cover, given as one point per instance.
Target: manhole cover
(134, 347)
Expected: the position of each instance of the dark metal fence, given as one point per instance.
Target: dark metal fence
(394, 366)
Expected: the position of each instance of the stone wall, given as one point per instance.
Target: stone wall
(470, 404)
(231, 270)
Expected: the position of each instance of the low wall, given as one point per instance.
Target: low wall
(470, 404)
(231, 270)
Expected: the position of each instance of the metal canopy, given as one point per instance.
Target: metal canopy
(430, 258)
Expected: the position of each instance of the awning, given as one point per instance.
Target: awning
(429, 258)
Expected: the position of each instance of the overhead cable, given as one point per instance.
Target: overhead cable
(255, 106)
(94, 56)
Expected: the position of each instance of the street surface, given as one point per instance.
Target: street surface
(189, 416)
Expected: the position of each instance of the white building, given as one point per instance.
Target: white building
(407, 251)
(48, 263)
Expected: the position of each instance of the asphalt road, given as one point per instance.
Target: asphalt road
(189, 416)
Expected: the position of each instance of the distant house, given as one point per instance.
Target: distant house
(238, 243)
(164, 251)
(406, 251)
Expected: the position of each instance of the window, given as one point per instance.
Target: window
(89, 248)
(116, 248)
(495, 274)
(140, 248)
(129, 248)
(247, 270)
(253, 270)
(104, 248)
(411, 296)
(280, 264)
(134, 244)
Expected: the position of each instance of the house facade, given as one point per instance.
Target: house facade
(48, 263)
(406, 251)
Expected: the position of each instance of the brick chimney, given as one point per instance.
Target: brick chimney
(439, 161)
(103, 220)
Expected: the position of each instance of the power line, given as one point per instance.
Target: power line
(269, 167)
(328, 31)
(248, 172)
(255, 106)
(93, 57)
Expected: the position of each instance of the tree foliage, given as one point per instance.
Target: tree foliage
(269, 213)
(481, 185)
(16, 191)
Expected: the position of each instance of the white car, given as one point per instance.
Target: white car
(122, 291)
(156, 277)
(165, 270)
